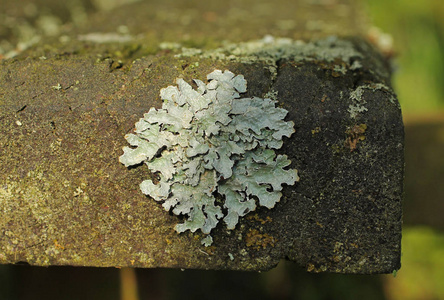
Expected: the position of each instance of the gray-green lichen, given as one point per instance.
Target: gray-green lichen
(270, 50)
(358, 102)
(209, 146)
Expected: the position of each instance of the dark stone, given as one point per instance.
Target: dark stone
(66, 200)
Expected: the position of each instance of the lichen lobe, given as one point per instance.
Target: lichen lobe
(210, 143)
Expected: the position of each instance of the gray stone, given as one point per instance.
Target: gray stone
(66, 200)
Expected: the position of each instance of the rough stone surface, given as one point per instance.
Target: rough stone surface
(66, 200)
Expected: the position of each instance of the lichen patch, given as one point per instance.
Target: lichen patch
(208, 144)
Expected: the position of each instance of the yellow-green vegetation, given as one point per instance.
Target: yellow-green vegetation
(422, 273)
(417, 28)
(256, 239)
(355, 134)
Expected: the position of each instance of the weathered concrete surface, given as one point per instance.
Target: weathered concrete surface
(64, 111)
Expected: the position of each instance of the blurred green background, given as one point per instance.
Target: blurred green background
(417, 28)
(417, 32)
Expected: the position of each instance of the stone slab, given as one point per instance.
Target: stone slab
(66, 200)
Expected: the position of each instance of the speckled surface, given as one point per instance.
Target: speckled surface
(66, 200)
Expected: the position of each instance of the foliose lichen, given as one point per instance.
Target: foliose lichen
(270, 50)
(358, 101)
(212, 152)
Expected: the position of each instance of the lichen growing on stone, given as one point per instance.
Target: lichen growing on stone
(358, 101)
(212, 151)
(340, 53)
